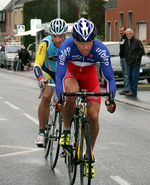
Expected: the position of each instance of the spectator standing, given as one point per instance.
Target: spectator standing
(134, 51)
(123, 62)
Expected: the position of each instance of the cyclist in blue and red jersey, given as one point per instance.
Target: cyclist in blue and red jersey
(45, 67)
(76, 70)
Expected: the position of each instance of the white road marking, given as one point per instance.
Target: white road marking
(27, 150)
(25, 114)
(31, 118)
(11, 105)
(3, 119)
(119, 180)
(0, 97)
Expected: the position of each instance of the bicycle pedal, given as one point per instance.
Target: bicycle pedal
(63, 154)
(41, 146)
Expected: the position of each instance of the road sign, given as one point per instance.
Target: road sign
(34, 22)
(33, 25)
(21, 28)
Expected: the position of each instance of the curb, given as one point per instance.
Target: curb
(133, 103)
(144, 88)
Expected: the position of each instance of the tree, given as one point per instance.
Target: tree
(46, 10)
(96, 14)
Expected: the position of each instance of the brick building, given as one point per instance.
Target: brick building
(129, 13)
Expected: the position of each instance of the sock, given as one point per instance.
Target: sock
(41, 131)
(66, 128)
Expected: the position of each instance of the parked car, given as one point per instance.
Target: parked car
(113, 48)
(8, 53)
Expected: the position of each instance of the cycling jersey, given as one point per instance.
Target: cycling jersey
(46, 58)
(99, 53)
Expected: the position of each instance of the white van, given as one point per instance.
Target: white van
(8, 53)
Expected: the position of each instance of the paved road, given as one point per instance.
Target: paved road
(122, 149)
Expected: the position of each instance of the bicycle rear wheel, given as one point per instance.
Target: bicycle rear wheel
(85, 132)
(72, 159)
(55, 136)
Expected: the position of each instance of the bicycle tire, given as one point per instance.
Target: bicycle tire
(47, 140)
(83, 180)
(55, 136)
(72, 159)
(48, 126)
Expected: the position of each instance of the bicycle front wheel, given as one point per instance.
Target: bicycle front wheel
(55, 136)
(72, 158)
(47, 140)
(85, 147)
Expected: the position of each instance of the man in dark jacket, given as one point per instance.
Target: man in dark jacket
(134, 51)
(123, 62)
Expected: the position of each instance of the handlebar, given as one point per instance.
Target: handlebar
(48, 84)
(84, 94)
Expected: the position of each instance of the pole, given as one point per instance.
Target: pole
(58, 8)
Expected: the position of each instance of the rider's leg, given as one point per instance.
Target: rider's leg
(43, 110)
(93, 115)
(71, 85)
(43, 113)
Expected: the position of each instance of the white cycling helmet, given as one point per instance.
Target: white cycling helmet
(84, 30)
(58, 27)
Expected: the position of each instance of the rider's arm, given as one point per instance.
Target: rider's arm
(110, 84)
(109, 77)
(39, 60)
(107, 71)
(61, 69)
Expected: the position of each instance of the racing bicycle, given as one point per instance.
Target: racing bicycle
(80, 131)
(52, 130)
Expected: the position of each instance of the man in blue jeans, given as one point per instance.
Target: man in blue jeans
(134, 51)
(123, 62)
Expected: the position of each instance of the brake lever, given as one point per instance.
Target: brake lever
(110, 98)
(61, 100)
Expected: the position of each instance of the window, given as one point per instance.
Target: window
(9, 21)
(2, 16)
(108, 31)
(141, 30)
(115, 36)
(21, 11)
(121, 19)
(130, 20)
(16, 17)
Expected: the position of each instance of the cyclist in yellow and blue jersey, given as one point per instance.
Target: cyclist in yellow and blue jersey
(44, 69)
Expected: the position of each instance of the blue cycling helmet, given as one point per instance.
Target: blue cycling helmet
(58, 27)
(84, 30)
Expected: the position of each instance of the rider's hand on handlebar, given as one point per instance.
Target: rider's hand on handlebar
(41, 83)
(59, 106)
(110, 108)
